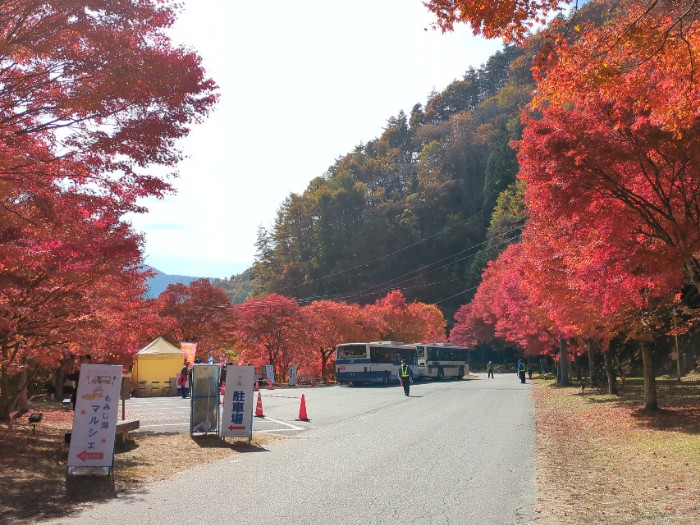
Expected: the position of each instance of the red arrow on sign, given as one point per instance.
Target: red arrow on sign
(85, 455)
(232, 427)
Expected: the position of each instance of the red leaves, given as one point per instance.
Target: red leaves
(408, 322)
(505, 19)
(91, 96)
(198, 313)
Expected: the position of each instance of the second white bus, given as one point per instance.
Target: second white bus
(442, 360)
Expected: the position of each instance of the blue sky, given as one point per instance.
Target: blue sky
(301, 84)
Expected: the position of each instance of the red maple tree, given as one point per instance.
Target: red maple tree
(330, 323)
(92, 97)
(200, 313)
(271, 331)
(414, 322)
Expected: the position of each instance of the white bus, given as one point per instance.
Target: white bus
(376, 362)
(441, 360)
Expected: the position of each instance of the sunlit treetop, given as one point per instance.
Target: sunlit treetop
(505, 19)
(512, 20)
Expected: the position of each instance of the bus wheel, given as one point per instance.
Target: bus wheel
(461, 373)
(441, 374)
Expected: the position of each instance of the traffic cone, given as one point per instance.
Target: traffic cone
(258, 408)
(302, 410)
(257, 388)
(269, 385)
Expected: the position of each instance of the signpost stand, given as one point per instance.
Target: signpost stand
(95, 420)
(237, 414)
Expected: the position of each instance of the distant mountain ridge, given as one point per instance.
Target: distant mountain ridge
(158, 283)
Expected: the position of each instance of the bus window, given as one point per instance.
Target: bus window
(352, 351)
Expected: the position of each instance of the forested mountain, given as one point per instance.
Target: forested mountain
(160, 281)
(409, 210)
(238, 287)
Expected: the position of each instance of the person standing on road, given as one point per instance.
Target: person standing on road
(405, 376)
(489, 369)
(521, 370)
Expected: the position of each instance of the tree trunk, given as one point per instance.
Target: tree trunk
(692, 270)
(22, 397)
(609, 371)
(650, 400)
(563, 377)
(61, 374)
(591, 361)
(9, 386)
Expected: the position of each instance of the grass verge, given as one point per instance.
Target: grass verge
(602, 460)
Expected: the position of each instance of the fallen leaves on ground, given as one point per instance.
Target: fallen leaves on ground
(602, 460)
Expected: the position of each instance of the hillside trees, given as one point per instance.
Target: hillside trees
(405, 210)
(91, 96)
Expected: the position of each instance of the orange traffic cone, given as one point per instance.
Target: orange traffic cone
(259, 409)
(269, 385)
(302, 410)
(257, 388)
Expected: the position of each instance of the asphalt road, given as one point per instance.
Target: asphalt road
(460, 452)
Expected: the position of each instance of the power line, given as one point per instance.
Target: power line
(447, 228)
(375, 290)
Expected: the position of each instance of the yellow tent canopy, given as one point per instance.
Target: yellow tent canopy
(154, 367)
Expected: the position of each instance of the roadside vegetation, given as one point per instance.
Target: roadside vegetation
(603, 460)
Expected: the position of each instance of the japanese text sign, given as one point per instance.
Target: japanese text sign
(95, 418)
(237, 415)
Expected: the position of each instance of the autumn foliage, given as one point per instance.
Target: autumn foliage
(93, 96)
(609, 155)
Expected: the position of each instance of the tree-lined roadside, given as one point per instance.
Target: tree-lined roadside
(603, 460)
(600, 459)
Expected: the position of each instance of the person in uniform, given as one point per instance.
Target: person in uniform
(405, 376)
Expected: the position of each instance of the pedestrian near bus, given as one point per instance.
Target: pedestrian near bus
(521, 370)
(489, 369)
(405, 376)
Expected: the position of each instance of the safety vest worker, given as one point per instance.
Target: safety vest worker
(405, 374)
